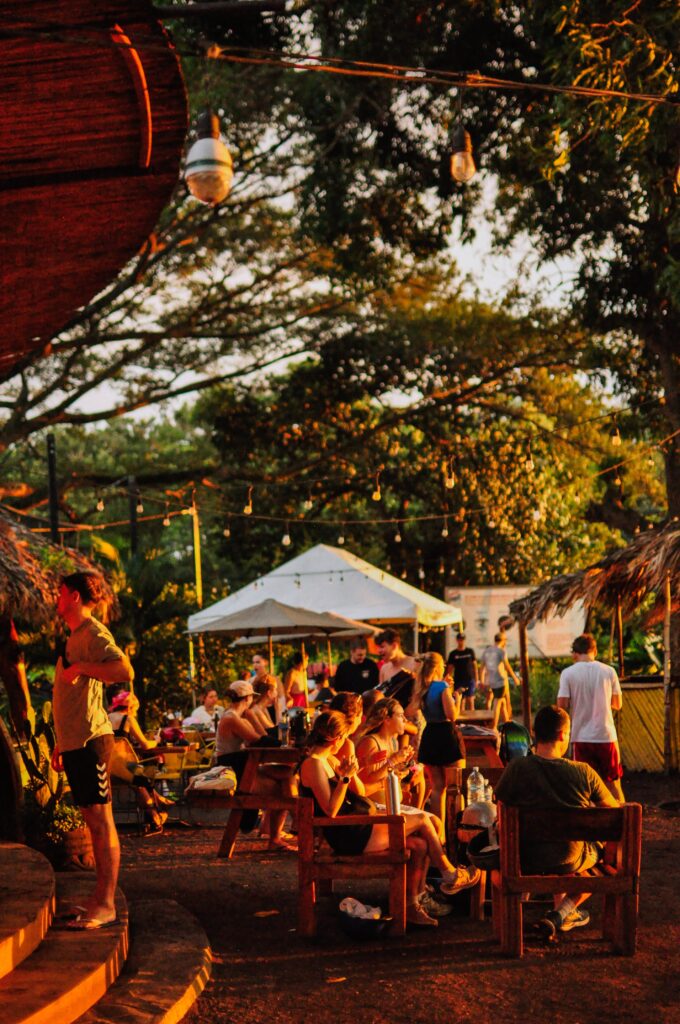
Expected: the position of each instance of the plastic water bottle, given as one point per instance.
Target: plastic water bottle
(475, 787)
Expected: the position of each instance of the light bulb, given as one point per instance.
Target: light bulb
(341, 539)
(615, 436)
(403, 574)
(376, 496)
(529, 464)
(139, 506)
(285, 540)
(397, 537)
(441, 569)
(462, 163)
(209, 169)
(449, 481)
(308, 504)
(100, 505)
(492, 524)
(617, 481)
(226, 532)
(537, 515)
(445, 530)
(248, 507)
(421, 573)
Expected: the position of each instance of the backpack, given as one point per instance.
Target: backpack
(515, 741)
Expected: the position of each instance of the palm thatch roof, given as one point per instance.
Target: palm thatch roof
(30, 571)
(627, 575)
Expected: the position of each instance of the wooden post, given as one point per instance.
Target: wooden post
(415, 637)
(330, 656)
(525, 675)
(619, 637)
(667, 753)
(52, 488)
(270, 645)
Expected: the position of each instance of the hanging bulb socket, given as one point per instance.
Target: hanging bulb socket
(462, 162)
(139, 507)
(615, 436)
(397, 535)
(209, 169)
(285, 540)
(445, 528)
(100, 504)
(376, 496)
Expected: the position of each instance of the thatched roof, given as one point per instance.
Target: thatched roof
(30, 570)
(629, 574)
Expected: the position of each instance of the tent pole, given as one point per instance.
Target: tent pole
(330, 657)
(619, 637)
(270, 644)
(303, 652)
(667, 676)
(415, 637)
(525, 675)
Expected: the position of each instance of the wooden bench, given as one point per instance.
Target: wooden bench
(274, 761)
(620, 826)
(318, 865)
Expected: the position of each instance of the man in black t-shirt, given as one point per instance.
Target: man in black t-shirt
(357, 673)
(462, 663)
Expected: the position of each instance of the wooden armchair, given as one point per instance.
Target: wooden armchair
(318, 865)
(619, 826)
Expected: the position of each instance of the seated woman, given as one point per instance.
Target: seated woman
(123, 718)
(378, 749)
(261, 714)
(440, 747)
(234, 734)
(351, 706)
(333, 783)
(295, 681)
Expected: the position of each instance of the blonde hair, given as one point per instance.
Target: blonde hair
(431, 669)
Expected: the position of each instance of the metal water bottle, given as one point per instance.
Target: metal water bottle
(392, 793)
(284, 727)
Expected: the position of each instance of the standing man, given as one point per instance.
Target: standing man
(590, 691)
(84, 734)
(548, 779)
(495, 671)
(358, 673)
(462, 663)
(393, 657)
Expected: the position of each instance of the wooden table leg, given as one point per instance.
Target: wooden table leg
(228, 840)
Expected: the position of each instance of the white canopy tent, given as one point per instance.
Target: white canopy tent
(337, 581)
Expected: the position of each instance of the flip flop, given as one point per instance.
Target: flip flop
(83, 923)
(282, 847)
(70, 915)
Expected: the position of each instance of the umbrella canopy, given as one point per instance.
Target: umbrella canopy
(273, 618)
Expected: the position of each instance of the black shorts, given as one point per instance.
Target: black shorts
(87, 771)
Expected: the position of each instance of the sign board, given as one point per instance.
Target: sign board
(483, 607)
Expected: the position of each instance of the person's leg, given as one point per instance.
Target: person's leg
(438, 794)
(416, 870)
(106, 847)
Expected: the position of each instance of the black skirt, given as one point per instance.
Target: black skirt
(440, 744)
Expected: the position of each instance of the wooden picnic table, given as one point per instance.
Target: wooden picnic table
(483, 716)
(244, 799)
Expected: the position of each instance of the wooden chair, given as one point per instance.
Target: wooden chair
(125, 795)
(272, 761)
(318, 865)
(621, 826)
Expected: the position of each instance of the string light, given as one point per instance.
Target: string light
(445, 527)
(100, 504)
(403, 573)
(615, 435)
(285, 540)
(537, 515)
(139, 507)
(376, 496)
(529, 463)
(308, 504)
(248, 507)
(441, 570)
(449, 475)
(421, 572)
(226, 532)
(617, 480)
(166, 517)
(397, 535)
(341, 537)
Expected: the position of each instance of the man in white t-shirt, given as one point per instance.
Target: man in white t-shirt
(203, 717)
(590, 691)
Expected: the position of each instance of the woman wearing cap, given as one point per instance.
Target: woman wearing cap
(123, 718)
(234, 734)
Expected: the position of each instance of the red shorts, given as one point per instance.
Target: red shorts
(603, 757)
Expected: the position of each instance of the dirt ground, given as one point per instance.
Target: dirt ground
(263, 972)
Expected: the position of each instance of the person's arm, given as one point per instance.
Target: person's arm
(600, 796)
(254, 719)
(617, 697)
(239, 727)
(118, 670)
(449, 705)
(330, 800)
(139, 737)
(511, 670)
(563, 702)
(475, 668)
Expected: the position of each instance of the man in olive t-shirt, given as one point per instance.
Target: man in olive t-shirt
(84, 735)
(547, 779)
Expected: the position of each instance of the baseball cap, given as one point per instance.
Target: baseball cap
(460, 636)
(241, 688)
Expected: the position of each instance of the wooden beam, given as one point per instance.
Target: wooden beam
(525, 675)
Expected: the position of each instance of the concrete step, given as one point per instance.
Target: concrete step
(167, 968)
(70, 970)
(27, 901)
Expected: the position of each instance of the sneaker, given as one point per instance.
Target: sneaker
(549, 926)
(416, 915)
(463, 878)
(577, 919)
(433, 907)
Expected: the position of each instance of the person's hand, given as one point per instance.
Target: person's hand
(56, 761)
(70, 674)
(348, 767)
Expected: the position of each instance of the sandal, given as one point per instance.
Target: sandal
(416, 915)
(282, 846)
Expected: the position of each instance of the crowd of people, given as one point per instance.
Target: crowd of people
(397, 718)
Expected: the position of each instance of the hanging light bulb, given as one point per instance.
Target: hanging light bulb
(449, 476)
(209, 169)
(285, 540)
(397, 535)
(376, 496)
(308, 504)
(537, 515)
(166, 517)
(615, 435)
(226, 532)
(100, 504)
(445, 527)
(248, 507)
(421, 573)
(462, 163)
(139, 508)
(403, 573)
(492, 524)
(341, 537)
(617, 480)
(441, 570)
(529, 463)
